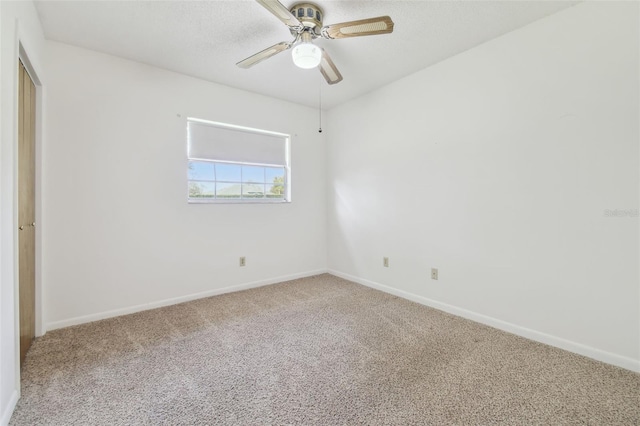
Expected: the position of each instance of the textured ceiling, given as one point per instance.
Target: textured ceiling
(206, 38)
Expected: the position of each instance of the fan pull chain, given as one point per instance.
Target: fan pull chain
(320, 108)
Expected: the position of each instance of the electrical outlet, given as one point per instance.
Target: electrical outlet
(434, 274)
(385, 262)
(243, 261)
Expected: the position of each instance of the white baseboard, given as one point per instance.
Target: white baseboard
(568, 345)
(166, 302)
(8, 410)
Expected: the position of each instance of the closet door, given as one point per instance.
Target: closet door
(26, 210)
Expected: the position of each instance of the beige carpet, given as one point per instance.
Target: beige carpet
(318, 350)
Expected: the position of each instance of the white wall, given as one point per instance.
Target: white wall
(496, 166)
(19, 25)
(118, 232)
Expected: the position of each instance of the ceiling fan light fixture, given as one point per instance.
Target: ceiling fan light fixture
(305, 24)
(306, 55)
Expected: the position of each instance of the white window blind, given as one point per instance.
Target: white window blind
(218, 142)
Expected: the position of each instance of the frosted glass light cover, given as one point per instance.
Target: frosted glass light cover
(306, 55)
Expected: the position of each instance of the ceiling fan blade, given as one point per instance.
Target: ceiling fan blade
(282, 13)
(363, 27)
(329, 70)
(265, 54)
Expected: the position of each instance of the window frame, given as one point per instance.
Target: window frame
(240, 200)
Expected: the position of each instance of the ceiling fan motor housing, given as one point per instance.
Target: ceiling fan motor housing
(310, 15)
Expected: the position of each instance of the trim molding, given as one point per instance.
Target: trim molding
(8, 410)
(548, 339)
(175, 300)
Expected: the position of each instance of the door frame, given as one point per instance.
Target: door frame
(40, 328)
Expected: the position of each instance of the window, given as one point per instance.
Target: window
(236, 164)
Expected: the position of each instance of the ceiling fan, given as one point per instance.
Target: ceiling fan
(305, 23)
